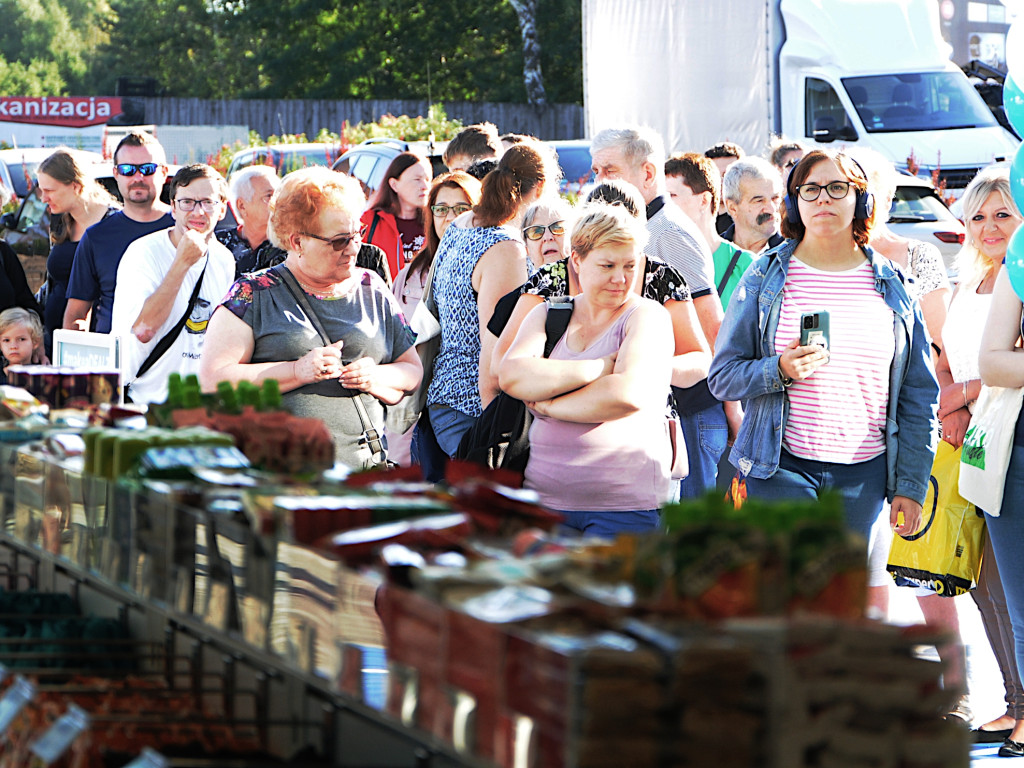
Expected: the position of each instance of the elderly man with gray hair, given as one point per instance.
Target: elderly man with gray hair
(252, 189)
(752, 193)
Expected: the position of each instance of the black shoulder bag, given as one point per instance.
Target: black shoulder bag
(500, 437)
(372, 437)
(169, 338)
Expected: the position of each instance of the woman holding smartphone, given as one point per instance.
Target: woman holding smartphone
(822, 417)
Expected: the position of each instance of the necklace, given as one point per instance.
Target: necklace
(330, 293)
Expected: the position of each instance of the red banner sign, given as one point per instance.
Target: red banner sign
(69, 111)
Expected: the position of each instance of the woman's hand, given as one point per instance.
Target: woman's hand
(952, 397)
(911, 512)
(360, 374)
(320, 364)
(541, 407)
(798, 363)
(954, 426)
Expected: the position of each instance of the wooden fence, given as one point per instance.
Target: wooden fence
(553, 121)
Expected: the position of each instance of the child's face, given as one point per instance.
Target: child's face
(16, 344)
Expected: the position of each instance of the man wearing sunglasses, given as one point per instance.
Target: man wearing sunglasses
(140, 172)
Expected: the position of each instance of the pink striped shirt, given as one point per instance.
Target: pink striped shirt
(838, 413)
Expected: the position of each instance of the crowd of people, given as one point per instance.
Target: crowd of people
(656, 330)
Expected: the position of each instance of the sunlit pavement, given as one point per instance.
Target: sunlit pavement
(984, 682)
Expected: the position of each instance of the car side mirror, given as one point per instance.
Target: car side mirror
(9, 220)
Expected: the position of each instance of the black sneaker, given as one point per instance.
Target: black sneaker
(1011, 748)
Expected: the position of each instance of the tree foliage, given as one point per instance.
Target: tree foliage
(437, 50)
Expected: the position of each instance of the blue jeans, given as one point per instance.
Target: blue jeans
(609, 524)
(861, 486)
(449, 427)
(706, 434)
(426, 452)
(1006, 533)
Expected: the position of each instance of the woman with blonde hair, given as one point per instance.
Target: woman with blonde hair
(76, 202)
(991, 218)
(600, 451)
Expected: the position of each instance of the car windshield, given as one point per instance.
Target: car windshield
(22, 175)
(917, 204)
(928, 101)
(287, 161)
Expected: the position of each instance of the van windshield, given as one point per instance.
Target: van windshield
(928, 101)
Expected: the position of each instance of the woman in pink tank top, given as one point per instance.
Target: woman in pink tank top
(600, 451)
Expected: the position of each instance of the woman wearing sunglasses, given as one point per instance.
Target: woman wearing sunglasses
(451, 195)
(544, 227)
(262, 330)
(854, 411)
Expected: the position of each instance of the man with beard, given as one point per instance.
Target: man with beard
(140, 170)
(752, 192)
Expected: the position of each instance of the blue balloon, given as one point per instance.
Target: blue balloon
(1015, 262)
(1013, 103)
(1017, 178)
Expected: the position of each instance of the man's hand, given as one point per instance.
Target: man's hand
(191, 247)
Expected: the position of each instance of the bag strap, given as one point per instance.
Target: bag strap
(557, 322)
(371, 434)
(373, 226)
(728, 270)
(165, 343)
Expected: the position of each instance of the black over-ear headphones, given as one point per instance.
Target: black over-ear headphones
(864, 204)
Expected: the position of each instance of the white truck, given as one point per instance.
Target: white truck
(831, 73)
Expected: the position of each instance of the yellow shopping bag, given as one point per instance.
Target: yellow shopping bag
(945, 554)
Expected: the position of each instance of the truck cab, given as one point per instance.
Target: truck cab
(895, 92)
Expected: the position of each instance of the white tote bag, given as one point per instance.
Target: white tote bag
(987, 446)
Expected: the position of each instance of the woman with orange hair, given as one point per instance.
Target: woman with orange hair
(264, 328)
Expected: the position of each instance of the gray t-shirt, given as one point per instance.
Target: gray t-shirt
(368, 319)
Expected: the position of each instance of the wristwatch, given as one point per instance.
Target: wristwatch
(786, 381)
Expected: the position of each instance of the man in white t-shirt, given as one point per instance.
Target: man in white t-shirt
(156, 282)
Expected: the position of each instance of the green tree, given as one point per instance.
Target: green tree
(191, 47)
(442, 50)
(62, 33)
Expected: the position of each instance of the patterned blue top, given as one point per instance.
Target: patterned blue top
(456, 367)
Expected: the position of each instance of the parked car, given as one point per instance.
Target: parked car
(918, 213)
(285, 158)
(369, 160)
(574, 159)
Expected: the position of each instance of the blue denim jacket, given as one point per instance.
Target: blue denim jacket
(746, 368)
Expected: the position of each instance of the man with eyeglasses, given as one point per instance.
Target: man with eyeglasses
(168, 284)
(252, 189)
(140, 172)
(752, 193)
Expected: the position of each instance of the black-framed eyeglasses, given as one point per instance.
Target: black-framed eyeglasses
(339, 243)
(441, 210)
(130, 169)
(187, 204)
(837, 190)
(536, 232)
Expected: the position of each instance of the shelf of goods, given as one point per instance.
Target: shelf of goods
(264, 609)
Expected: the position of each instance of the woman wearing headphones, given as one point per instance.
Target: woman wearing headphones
(829, 355)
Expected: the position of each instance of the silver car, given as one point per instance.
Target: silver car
(918, 213)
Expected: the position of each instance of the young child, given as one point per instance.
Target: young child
(21, 334)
